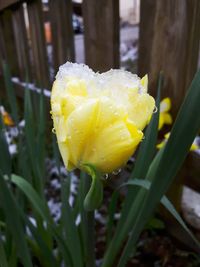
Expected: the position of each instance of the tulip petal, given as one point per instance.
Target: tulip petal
(118, 143)
(144, 83)
(141, 109)
(79, 128)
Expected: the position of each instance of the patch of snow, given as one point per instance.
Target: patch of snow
(191, 207)
(31, 87)
(55, 184)
(12, 149)
(55, 209)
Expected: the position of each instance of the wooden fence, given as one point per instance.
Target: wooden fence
(168, 41)
(24, 46)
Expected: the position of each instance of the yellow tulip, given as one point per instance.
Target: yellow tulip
(165, 117)
(98, 118)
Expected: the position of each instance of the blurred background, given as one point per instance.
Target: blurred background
(144, 36)
(141, 36)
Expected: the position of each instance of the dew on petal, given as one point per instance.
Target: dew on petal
(155, 109)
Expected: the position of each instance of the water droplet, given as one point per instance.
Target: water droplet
(69, 137)
(54, 130)
(155, 109)
(143, 137)
(116, 172)
(106, 176)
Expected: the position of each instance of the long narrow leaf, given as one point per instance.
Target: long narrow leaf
(183, 133)
(40, 206)
(70, 229)
(3, 260)
(111, 213)
(5, 158)
(15, 226)
(166, 203)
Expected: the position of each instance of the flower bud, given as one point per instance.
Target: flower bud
(99, 118)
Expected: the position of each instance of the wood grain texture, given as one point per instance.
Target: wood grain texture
(38, 45)
(7, 42)
(169, 41)
(101, 29)
(62, 31)
(21, 42)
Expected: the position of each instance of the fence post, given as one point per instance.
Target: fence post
(38, 44)
(101, 29)
(7, 42)
(169, 41)
(62, 31)
(21, 41)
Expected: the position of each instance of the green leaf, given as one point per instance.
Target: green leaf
(15, 225)
(41, 127)
(167, 204)
(155, 223)
(94, 196)
(44, 253)
(5, 158)
(110, 220)
(40, 206)
(185, 129)
(70, 229)
(3, 260)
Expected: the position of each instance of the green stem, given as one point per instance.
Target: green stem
(88, 225)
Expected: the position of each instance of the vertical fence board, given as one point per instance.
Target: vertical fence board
(38, 43)
(8, 42)
(2, 48)
(101, 29)
(173, 46)
(62, 31)
(21, 42)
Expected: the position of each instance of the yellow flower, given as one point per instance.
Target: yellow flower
(98, 118)
(193, 147)
(7, 120)
(165, 117)
(159, 146)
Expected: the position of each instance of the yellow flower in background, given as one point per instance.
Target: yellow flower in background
(99, 118)
(165, 117)
(193, 147)
(7, 120)
(159, 146)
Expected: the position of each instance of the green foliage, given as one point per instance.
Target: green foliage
(68, 242)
